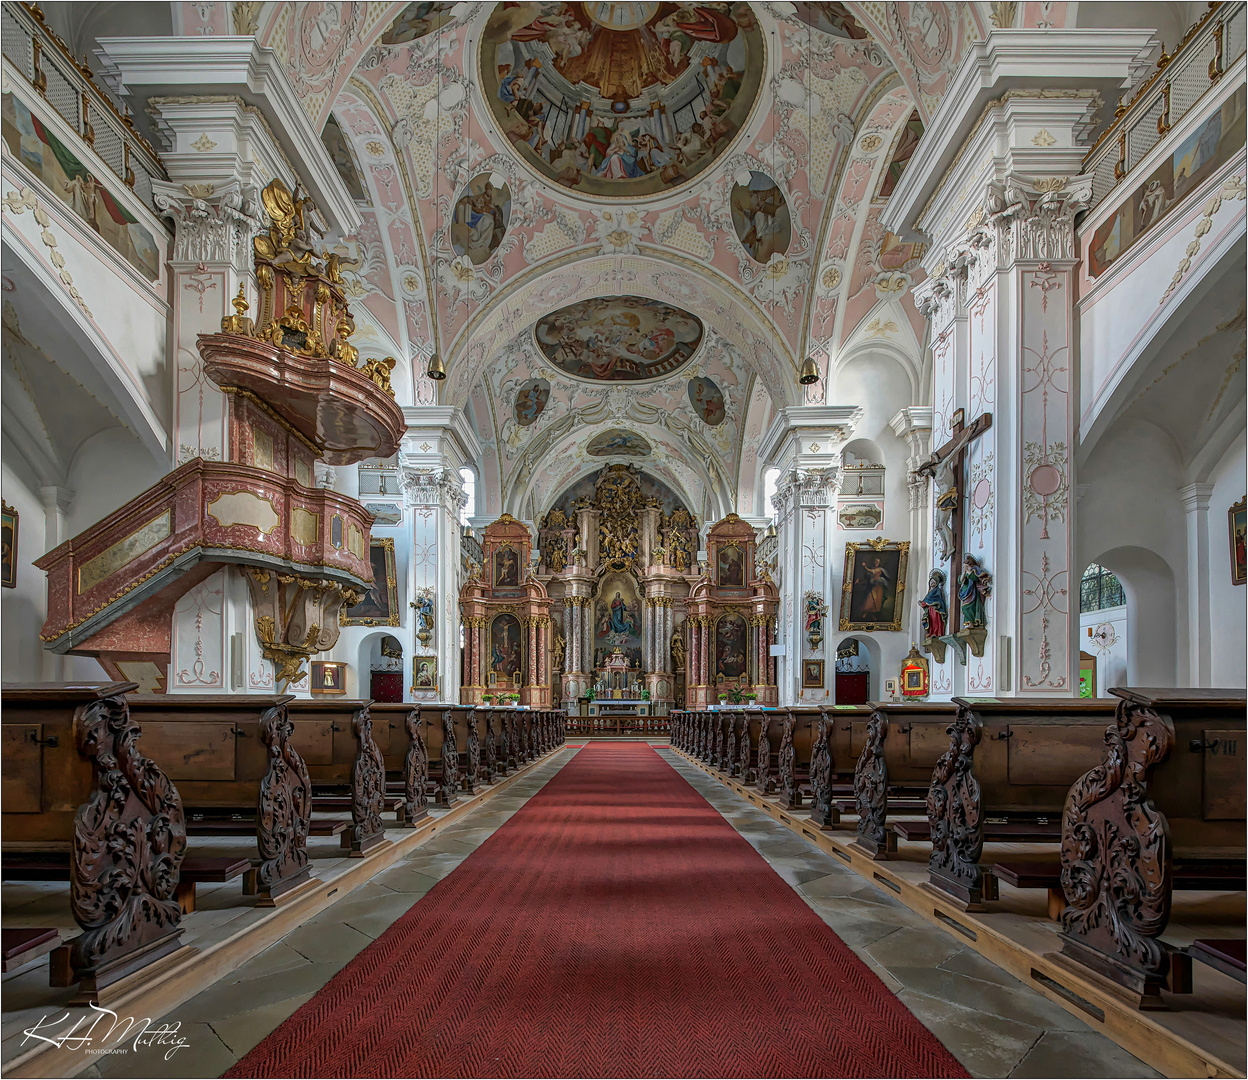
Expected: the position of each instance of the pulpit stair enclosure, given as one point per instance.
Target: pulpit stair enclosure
(88, 766)
(1120, 802)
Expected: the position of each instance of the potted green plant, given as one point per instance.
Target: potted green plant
(750, 698)
(488, 698)
(589, 693)
(723, 698)
(645, 695)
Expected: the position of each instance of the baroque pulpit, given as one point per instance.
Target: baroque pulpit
(505, 611)
(731, 622)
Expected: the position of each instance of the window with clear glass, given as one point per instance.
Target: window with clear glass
(469, 479)
(769, 491)
(1099, 589)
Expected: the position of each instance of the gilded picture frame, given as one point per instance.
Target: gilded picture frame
(1237, 523)
(8, 547)
(812, 675)
(874, 589)
(424, 673)
(380, 605)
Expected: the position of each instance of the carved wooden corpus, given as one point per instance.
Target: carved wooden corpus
(822, 812)
(368, 787)
(283, 810)
(489, 750)
(128, 842)
(450, 760)
(763, 778)
(748, 772)
(871, 788)
(953, 809)
(1116, 859)
(790, 797)
(415, 771)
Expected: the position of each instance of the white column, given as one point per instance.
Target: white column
(1199, 625)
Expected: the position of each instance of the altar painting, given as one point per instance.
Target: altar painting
(731, 567)
(617, 618)
(505, 651)
(506, 568)
(730, 651)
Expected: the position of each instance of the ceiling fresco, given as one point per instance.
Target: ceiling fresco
(538, 182)
(619, 338)
(621, 100)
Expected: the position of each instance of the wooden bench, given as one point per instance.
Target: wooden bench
(900, 746)
(234, 760)
(195, 870)
(440, 742)
(406, 758)
(1008, 763)
(343, 750)
(1169, 787)
(21, 945)
(1226, 956)
(77, 781)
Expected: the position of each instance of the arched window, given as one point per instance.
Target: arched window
(769, 491)
(1099, 589)
(469, 479)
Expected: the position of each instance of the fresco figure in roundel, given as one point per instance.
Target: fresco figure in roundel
(760, 217)
(531, 399)
(617, 443)
(621, 100)
(480, 219)
(707, 400)
(619, 338)
(415, 21)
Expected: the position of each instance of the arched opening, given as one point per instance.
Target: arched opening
(1148, 656)
(857, 669)
(380, 668)
(1103, 632)
(469, 479)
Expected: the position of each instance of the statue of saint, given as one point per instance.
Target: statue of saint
(558, 652)
(935, 610)
(677, 646)
(974, 587)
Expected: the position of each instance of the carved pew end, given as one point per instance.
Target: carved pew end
(93, 982)
(1142, 989)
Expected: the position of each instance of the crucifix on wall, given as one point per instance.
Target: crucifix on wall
(947, 466)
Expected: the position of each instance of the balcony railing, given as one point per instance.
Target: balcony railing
(32, 49)
(1183, 77)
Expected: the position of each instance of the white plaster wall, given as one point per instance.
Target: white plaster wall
(1131, 520)
(1228, 604)
(109, 470)
(1112, 660)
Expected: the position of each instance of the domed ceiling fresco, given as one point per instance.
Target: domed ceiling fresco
(619, 338)
(621, 100)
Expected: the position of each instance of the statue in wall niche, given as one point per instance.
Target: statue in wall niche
(934, 611)
(677, 647)
(974, 588)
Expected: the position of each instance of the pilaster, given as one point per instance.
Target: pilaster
(1199, 623)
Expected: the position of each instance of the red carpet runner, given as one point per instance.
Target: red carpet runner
(617, 925)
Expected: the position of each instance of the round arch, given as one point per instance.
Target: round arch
(1152, 613)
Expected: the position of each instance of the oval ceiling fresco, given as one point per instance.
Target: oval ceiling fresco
(707, 400)
(619, 338)
(760, 217)
(531, 399)
(621, 100)
(617, 443)
(482, 212)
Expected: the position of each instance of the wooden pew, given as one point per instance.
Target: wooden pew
(344, 751)
(405, 756)
(468, 743)
(796, 753)
(233, 756)
(76, 780)
(489, 746)
(439, 721)
(1169, 785)
(901, 744)
(21, 945)
(1004, 776)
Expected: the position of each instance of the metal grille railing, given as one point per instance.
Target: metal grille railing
(33, 50)
(1211, 47)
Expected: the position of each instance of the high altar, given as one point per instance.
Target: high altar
(506, 617)
(618, 554)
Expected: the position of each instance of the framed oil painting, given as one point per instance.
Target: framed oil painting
(730, 560)
(8, 547)
(506, 568)
(504, 653)
(328, 677)
(380, 606)
(1237, 519)
(424, 672)
(812, 674)
(730, 648)
(875, 584)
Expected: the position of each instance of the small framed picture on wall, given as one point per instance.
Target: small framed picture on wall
(1238, 522)
(812, 674)
(328, 677)
(8, 547)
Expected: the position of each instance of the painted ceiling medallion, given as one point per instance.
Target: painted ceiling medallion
(619, 338)
(531, 400)
(621, 100)
(707, 400)
(482, 213)
(417, 20)
(760, 217)
(617, 442)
